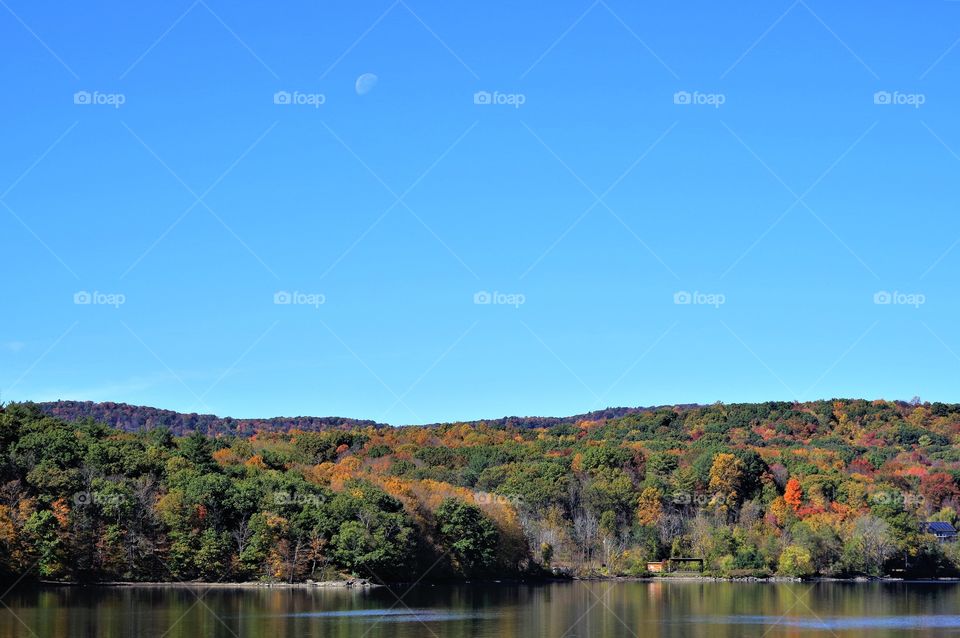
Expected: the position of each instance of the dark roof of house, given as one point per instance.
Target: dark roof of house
(938, 527)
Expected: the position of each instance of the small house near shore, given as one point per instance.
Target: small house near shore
(945, 532)
(675, 565)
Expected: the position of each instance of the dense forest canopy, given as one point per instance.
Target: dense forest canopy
(827, 487)
(135, 418)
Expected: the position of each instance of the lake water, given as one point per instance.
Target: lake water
(561, 610)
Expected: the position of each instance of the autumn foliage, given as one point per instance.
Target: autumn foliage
(793, 494)
(836, 488)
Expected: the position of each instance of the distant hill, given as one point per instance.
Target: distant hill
(550, 421)
(135, 418)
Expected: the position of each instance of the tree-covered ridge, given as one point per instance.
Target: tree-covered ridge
(136, 418)
(828, 487)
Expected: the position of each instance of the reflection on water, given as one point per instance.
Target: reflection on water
(403, 614)
(562, 610)
(842, 623)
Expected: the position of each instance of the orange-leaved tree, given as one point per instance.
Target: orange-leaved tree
(793, 494)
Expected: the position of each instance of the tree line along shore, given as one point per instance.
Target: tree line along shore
(837, 489)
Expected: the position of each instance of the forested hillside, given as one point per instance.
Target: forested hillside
(830, 487)
(136, 418)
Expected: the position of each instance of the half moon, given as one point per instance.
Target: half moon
(365, 83)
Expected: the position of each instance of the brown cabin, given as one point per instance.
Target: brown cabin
(675, 565)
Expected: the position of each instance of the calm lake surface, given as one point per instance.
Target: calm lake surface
(571, 610)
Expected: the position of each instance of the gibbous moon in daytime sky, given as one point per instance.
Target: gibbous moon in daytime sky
(365, 83)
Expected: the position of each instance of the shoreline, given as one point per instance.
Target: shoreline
(358, 583)
(363, 584)
(773, 579)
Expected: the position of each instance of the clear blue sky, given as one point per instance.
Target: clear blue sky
(782, 193)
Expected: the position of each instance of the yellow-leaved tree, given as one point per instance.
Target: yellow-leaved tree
(649, 507)
(726, 478)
